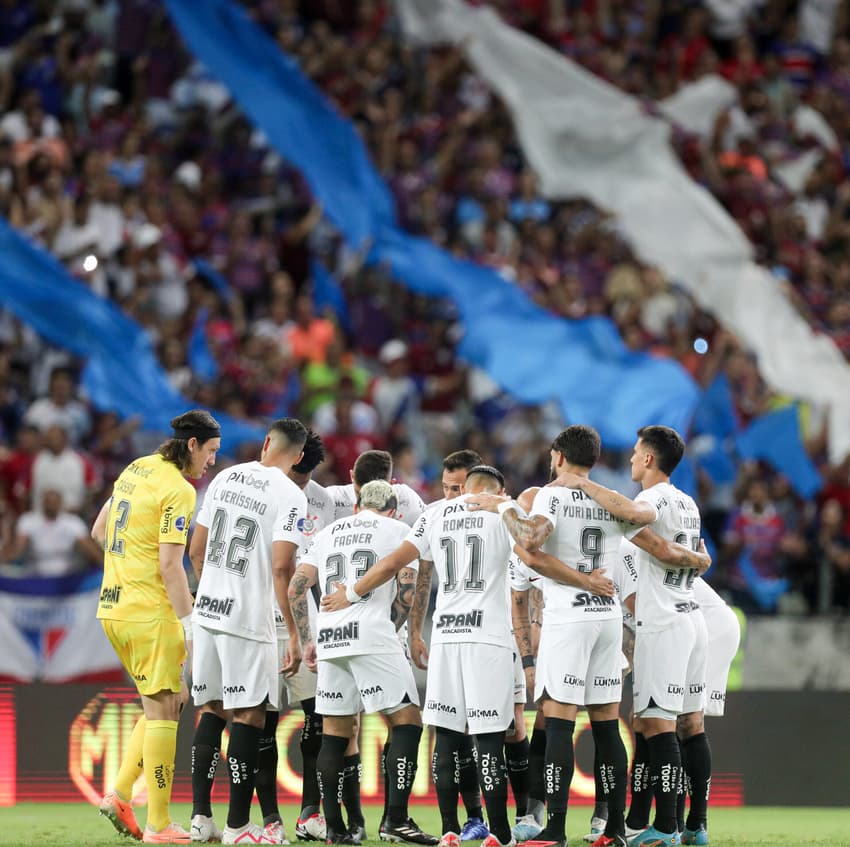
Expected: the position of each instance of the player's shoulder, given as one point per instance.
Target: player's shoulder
(342, 495)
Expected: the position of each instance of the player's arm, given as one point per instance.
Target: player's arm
(174, 579)
(404, 597)
(283, 568)
(529, 532)
(383, 571)
(547, 565)
(198, 548)
(302, 581)
(535, 610)
(421, 597)
(629, 643)
(638, 512)
(671, 553)
(98, 529)
(521, 622)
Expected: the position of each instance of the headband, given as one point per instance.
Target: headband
(202, 433)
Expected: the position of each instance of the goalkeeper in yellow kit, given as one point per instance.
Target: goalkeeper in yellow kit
(145, 608)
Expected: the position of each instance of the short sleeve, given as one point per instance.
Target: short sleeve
(519, 575)
(547, 501)
(311, 556)
(627, 570)
(176, 509)
(648, 496)
(293, 513)
(418, 536)
(204, 517)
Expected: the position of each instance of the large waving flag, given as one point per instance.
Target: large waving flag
(530, 353)
(122, 372)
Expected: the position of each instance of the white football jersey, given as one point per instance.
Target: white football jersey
(410, 504)
(584, 537)
(246, 509)
(343, 552)
(470, 552)
(320, 513)
(624, 575)
(520, 576)
(665, 592)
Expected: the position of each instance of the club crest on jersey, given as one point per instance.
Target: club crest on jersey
(339, 635)
(307, 526)
(218, 607)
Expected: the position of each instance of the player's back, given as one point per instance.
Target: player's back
(246, 509)
(664, 592)
(343, 552)
(151, 503)
(470, 551)
(585, 537)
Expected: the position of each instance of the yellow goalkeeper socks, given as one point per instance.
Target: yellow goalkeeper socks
(160, 745)
(131, 764)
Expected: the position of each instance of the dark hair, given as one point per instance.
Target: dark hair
(314, 454)
(665, 444)
(579, 445)
(461, 460)
(487, 471)
(176, 449)
(291, 429)
(373, 464)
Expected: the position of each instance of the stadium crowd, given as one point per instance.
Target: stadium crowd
(127, 161)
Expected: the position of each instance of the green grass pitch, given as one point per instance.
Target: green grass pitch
(78, 825)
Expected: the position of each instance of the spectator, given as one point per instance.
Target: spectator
(310, 336)
(345, 444)
(364, 419)
(59, 467)
(60, 408)
(52, 542)
(16, 469)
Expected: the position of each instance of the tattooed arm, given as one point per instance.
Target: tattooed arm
(529, 533)
(521, 622)
(421, 598)
(302, 581)
(404, 597)
(535, 609)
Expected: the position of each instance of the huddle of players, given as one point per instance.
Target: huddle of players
(255, 612)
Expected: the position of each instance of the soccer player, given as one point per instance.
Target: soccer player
(670, 647)
(455, 469)
(245, 542)
(371, 465)
(145, 607)
(361, 664)
(724, 637)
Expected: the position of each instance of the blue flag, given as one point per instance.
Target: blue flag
(122, 373)
(327, 292)
(775, 438)
(201, 360)
(532, 354)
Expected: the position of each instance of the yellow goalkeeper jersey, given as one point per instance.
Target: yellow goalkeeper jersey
(152, 504)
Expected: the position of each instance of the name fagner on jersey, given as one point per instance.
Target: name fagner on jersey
(470, 551)
(585, 537)
(665, 593)
(343, 552)
(246, 509)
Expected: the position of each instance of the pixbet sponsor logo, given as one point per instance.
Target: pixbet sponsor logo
(248, 480)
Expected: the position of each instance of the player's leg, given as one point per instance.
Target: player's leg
(603, 690)
(243, 752)
(486, 673)
(265, 780)
(599, 816)
(386, 684)
(206, 744)
(446, 747)
(467, 778)
(116, 804)
(637, 820)
(351, 775)
(338, 701)
(693, 742)
(516, 755)
(163, 642)
(611, 763)
(206, 751)
(536, 758)
(661, 663)
(311, 823)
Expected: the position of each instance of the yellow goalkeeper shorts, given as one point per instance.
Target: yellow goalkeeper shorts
(153, 652)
